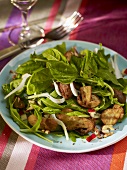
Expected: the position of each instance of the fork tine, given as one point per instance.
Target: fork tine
(72, 18)
(66, 30)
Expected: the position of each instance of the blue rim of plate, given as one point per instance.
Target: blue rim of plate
(59, 143)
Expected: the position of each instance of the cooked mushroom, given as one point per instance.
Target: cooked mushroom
(65, 90)
(70, 53)
(112, 115)
(46, 123)
(18, 103)
(120, 96)
(86, 98)
(32, 119)
(80, 124)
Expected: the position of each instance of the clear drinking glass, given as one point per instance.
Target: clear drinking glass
(24, 33)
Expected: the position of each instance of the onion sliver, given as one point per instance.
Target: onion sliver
(61, 124)
(48, 96)
(57, 88)
(96, 50)
(117, 71)
(21, 85)
(74, 91)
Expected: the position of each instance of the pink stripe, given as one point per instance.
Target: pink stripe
(4, 139)
(52, 15)
(82, 10)
(32, 157)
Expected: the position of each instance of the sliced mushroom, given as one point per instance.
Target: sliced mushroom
(80, 124)
(19, 103)
(32, 119)
(86, 98)
(120, 96)
(70, 53)
(65, 90)
(112, 115)
(46, 123)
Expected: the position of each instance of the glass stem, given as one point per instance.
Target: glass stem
(24, 20)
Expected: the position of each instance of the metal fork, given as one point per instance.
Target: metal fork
(63, 30)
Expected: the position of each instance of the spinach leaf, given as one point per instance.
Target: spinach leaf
(73, 136)
(62, 72)
(6, 88)
(107, 75)
(77, 113)
(51, 110)
(100, 92)
(76, 62)
(61, 48)
(39, 81)
(72, 104)
(15, 115)
(89, 65)
(51, 104)
(54, 54)
(29, 67)
(102, 59)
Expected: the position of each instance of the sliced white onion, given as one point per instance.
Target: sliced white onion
(117, 71)
(112, 62)
(48, 96)
(96, 50)
(115, 66)
(74, 91)
(21, 85)
(57, 88)
(61, 124)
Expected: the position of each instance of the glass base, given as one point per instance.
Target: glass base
(31, 37)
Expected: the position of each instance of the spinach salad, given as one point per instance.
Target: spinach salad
(67, 92)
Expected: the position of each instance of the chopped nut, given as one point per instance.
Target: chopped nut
(108, 134)
(107, 128)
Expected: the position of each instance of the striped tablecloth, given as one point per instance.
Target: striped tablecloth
(104, 21)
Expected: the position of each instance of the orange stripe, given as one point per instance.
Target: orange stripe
(81, 9)
(119, 153)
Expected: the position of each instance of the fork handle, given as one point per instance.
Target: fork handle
(7, 52)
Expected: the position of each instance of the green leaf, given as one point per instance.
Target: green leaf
(62, 72)
(6, 89)
(61, 48)
(76, 62)
(73, 136)
(39, 81)
(51, 104)
(54, 54)
(102, 59)
(106, 75)
(51, 110)
(29, 67)
(72, 104)
(77, 113)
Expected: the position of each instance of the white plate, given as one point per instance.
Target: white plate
(60, 144)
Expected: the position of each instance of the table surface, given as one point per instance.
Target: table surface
(105, 22)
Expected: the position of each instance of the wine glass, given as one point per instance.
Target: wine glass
(24, 33)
